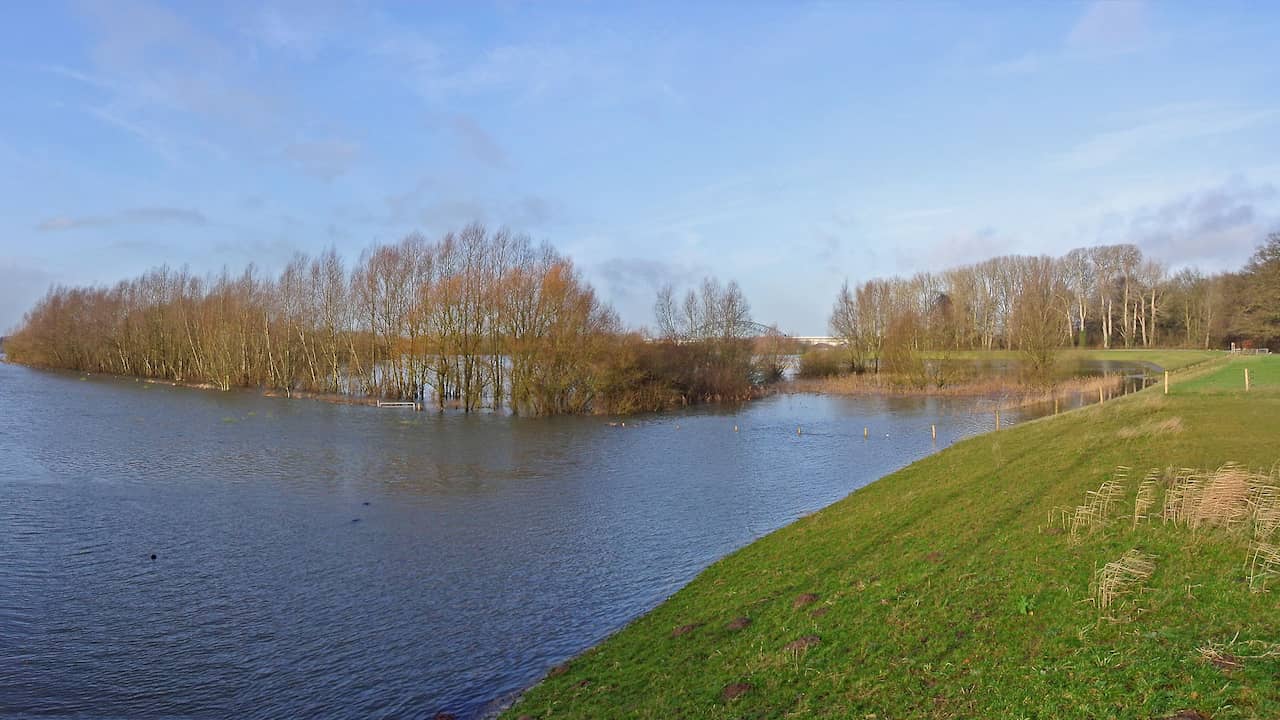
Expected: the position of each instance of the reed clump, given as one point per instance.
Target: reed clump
(1231, 496)
(1096, 509)
(1120, 578)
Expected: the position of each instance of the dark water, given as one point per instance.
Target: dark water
(487, 548)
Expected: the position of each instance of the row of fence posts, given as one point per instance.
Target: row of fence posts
(1247, 384)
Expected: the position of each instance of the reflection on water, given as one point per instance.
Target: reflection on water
(316, 559)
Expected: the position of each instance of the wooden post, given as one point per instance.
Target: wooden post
(1246, 379)
(864, 433)
(997, 418)
(1166, 382)
(1055, 406)
(1101, 399)
(934, 430)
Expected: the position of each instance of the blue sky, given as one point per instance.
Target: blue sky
(787, 146)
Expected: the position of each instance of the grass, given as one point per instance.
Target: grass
(1264, 378)
(1163, 359)
(948, 589)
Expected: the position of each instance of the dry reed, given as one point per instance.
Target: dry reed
(1097, 506)
(1264, 562)
(1146, 498)
(1229, 654)
(1227, 497)
(1119, 578)
(1152, 428)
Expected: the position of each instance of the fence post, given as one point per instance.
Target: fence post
(1246, 379)
(1166, 382)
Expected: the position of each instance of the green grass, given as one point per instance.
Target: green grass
(944, 593)
(1164, 359)
(1264, 378)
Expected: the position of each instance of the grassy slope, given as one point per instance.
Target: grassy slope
(942, 593)
(1165, 359)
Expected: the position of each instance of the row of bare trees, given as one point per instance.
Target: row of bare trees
(475, 319)
(1108, 296)
(709, 346)
(488, 319)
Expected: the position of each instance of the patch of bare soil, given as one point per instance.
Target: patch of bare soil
(803, 643)
(805, 599)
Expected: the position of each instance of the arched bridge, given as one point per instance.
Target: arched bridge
(752, 328)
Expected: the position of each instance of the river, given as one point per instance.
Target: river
(319, 560)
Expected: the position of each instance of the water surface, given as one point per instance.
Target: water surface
(317, 560)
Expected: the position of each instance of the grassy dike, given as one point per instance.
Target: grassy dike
(943, 590)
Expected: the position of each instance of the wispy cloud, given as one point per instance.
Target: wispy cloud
(1106, 28)
(437, 205)
(132, 216)
(302, 30)
(518, 71)
(636, 277)
(1110, 27)
(1168, 125)
(1022, 65)
(908, 216)
(959, 247)
(324, 159)
(477, 141)
(20, 286)
(184, 91)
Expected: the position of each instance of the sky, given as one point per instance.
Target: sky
(787, 146)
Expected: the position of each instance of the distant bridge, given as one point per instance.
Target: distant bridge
(818, 340)
(753, 329)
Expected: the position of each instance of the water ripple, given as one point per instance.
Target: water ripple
(325, 561)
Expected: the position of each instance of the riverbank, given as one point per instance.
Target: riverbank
(1005, 390)
(998, 391)
(1162, 358)
(952, 588)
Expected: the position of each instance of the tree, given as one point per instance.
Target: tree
(1037, 321)
(1258, 316)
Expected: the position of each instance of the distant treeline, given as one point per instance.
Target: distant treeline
(476, 319)
(1106, 296)
(488, 319)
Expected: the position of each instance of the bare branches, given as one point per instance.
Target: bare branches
(475, 319)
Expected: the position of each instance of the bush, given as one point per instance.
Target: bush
(823, 362)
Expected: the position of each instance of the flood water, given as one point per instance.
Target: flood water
(317, 560)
